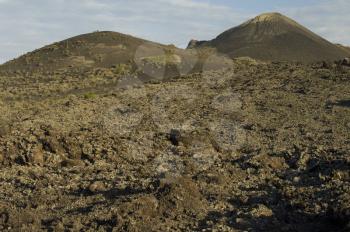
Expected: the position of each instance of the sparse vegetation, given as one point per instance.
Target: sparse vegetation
(122, 69)
(90, 95)
(162, 60)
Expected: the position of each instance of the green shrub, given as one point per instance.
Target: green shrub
(122, 69)
(90, 95)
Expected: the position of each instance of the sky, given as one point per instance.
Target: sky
(26, 25)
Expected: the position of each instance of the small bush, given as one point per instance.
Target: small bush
(90, 95)
(122, 69)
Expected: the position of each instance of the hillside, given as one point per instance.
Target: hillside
(345, 48)
(273, 37)
(115, 52)
(98, 49)
(102, 50)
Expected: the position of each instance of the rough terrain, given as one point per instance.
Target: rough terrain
(252, 147)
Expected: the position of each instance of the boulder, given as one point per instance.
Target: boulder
(195, 43)
(346, 62)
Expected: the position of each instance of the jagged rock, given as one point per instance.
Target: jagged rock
(37, 156)
(194, 43)
(97, 186)
(72, 163)
(175, 137)
(346, 62)
(230, 161)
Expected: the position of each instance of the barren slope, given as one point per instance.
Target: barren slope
(346, 48)
(102, 50)
(274, 37)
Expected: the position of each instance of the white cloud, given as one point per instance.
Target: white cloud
(192, 4)
(328, 18)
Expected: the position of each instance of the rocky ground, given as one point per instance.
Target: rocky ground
(253, 147)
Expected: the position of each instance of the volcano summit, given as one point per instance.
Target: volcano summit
(273, 37)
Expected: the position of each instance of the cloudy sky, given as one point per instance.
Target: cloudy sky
(29, 24)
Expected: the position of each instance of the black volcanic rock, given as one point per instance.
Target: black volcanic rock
(194, 43)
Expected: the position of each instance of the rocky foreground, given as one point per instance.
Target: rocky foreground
(254, 147)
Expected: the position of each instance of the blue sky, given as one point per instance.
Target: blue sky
(29, 24)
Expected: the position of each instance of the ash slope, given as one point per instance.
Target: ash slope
(345, 48)
(83, 50)
(104, 49)
(274, 37)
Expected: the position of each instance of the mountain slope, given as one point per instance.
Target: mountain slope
(84, 50)
(345, 48)
(94, 50)
(274, 37)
